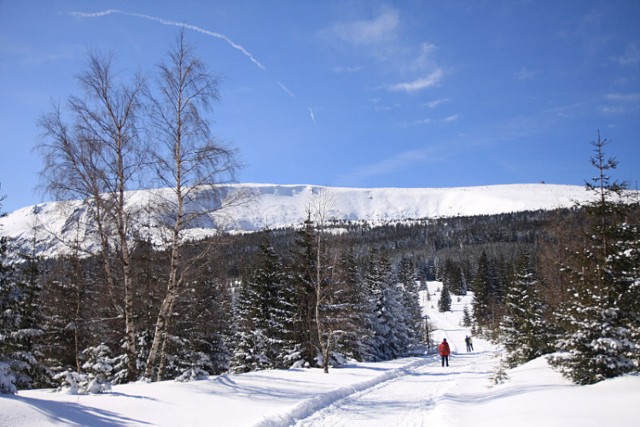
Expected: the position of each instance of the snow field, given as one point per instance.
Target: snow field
(414, 391)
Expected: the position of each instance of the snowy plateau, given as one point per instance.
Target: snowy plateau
(254, 207)
(415, 391)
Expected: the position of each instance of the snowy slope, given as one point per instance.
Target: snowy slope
(275, 206)
(405, 392)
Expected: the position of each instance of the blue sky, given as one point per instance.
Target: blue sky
(355, 93)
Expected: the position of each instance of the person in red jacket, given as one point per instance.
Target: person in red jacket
(444, 351)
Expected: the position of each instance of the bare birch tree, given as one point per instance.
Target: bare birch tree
(326, 319)
(96, 158)
(188, 160)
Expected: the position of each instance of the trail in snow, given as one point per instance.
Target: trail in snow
(408, 400)
(408, 395)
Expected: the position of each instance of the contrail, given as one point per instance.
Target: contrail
(175, 24)
(287, 91)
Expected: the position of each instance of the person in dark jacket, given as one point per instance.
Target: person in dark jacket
(444, 351)
(469, 343)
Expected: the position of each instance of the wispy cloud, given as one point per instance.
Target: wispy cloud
(435, 153)
(573, 110)
(369, 33)
(343, 69)
(430, 121)
(22, 53)
(623, 97)
(421, 58)
(379, 104)
(431, 80)
(631, 55)
(436, 102)
(620, 103)
(589, 32)
(383, 38)
(312, 115)
(383, 108)
(526, 74)
(612, 110)
(386, 166)
(175, 24)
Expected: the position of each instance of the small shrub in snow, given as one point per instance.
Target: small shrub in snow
(500, 375)
(299, 364)
(466, 317)
(72, 382)
(193, 374)
(79, 383)
(7, 379)
(99, 371)
(99, 368)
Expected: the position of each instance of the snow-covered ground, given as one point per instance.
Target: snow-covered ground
(414, 391)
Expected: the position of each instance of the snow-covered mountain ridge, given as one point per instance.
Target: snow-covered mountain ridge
(277, 206)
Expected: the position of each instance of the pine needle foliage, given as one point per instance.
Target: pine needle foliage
(601, 317)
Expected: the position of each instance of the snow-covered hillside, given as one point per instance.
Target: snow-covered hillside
(275, 206)
(415, 391)
(282, 205)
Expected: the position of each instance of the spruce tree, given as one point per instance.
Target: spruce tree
(601, 318)
(247, 342)
(454, 278)
(264, 317)
(284, 349)
(522, 328)
(9, 321)
(482, 292)
(340, 314)
(32, 321)
(390, 328)
(67, 310)
(444, 303)
(466, 317)
(488, 291)
(411, 300)
(375, 279)
(19, 364)
(302, 279)
(354, 301)
(199, 343)
(626, 261)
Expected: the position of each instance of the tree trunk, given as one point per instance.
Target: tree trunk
(156, 353)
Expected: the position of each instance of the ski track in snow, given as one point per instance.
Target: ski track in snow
(406, 396)
(408, 400)
(328, 400)
(385, 403)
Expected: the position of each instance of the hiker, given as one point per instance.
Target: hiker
(469, 343)
(444, 351)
